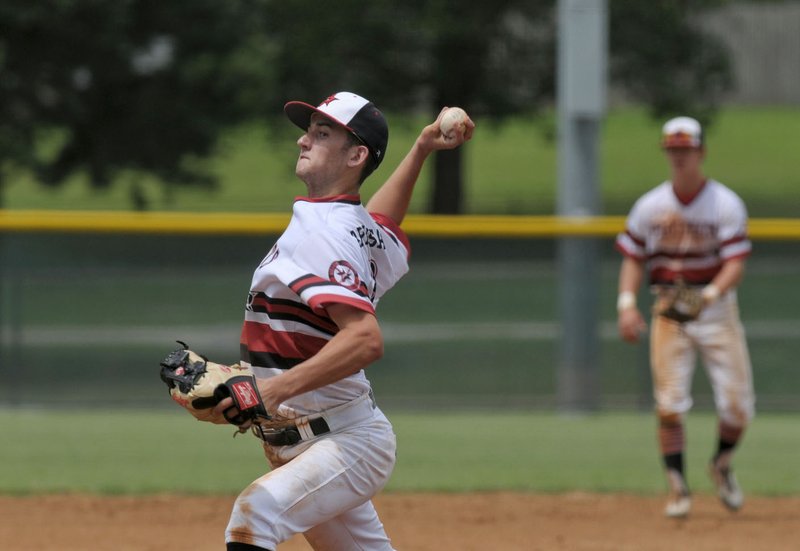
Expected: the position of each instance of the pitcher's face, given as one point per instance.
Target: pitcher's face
(323, 151)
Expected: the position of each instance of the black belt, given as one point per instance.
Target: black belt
(290, 436)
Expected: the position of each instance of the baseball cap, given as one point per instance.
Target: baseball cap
(682, 132)
(356, 114)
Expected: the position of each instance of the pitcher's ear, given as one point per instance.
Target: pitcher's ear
(359, 155)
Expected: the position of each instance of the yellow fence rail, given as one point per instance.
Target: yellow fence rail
(418, 225)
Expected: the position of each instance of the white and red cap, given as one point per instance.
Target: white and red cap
(682, 132)
(356, 114)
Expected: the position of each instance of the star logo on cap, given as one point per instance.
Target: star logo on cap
(329, 100)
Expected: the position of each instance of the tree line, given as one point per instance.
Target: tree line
(147, 87)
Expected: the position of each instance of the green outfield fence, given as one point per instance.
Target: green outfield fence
(91, 301)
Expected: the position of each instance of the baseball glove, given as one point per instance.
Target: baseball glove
(681, 303)
(199, 385)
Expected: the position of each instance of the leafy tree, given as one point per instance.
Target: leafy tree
(417, 55)
(665, 61)
(131, 85)
(144, 86)
(495, 59)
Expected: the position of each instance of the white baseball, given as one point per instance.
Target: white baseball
(454, 121)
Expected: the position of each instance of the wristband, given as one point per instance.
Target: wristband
(625, 300)
(710, 293)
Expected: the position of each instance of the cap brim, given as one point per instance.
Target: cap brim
(679, 144)
(300, 114)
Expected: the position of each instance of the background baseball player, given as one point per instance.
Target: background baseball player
(310, 331)
(690, 231)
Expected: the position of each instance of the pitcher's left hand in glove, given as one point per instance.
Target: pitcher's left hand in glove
(682, 303)
(199, 385)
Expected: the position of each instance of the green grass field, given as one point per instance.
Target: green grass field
(152, 452)
(509, 169)
(127, 285)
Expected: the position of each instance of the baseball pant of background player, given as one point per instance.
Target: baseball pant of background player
(719, 336)
(322, 487)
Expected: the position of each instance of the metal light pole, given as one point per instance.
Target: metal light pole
(581, 94)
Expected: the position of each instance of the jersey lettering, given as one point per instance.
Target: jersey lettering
(373, 268)
(676, 226)
(368, 237)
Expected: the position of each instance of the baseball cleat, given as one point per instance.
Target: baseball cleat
(727, 486)
(678, 506)
(680, 501)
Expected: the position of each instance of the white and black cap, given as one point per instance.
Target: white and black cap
(356, 114)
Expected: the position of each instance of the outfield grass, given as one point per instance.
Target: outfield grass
(509, 168)
(152, 452)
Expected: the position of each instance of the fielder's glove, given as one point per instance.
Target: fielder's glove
(681, 303)
(199, 385)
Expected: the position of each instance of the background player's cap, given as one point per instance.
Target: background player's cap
(682, 132)
(356, 114)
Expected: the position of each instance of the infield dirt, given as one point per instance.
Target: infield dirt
(416, 522)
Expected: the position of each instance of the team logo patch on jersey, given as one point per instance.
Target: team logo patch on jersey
(342, 272)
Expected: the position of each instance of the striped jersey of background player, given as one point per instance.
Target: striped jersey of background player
(690, 229)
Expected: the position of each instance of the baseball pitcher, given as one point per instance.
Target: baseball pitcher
(309, 333)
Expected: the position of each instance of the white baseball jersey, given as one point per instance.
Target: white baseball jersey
(333, 251)
(691, 238)
(688, 238)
